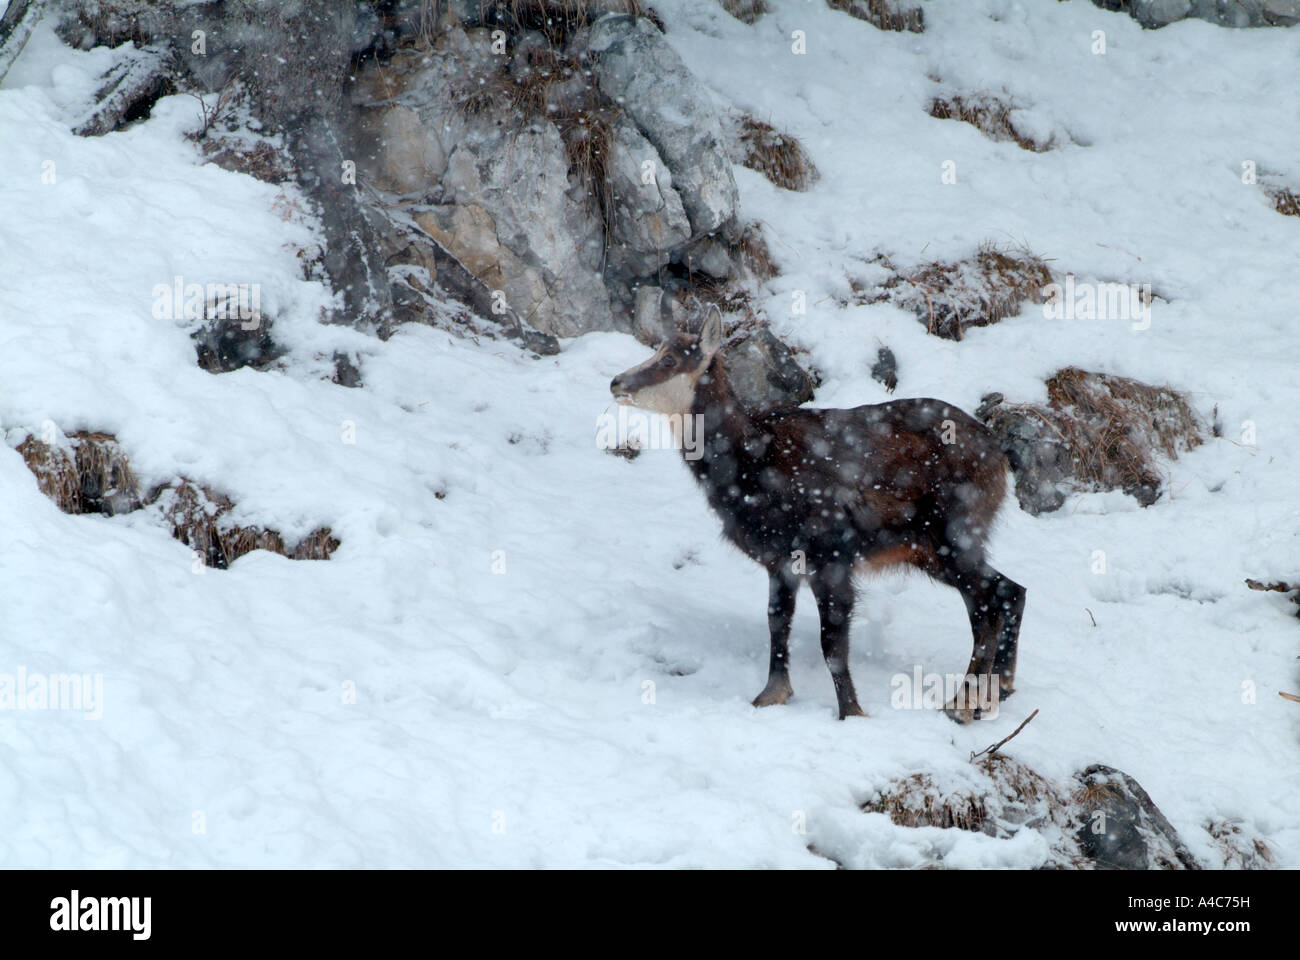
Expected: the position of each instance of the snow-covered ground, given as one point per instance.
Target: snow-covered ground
(552, 665)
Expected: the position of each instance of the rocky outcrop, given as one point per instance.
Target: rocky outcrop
(649, 223)
(636, 68)
(488, 184)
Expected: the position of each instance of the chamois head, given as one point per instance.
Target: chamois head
(666, 382)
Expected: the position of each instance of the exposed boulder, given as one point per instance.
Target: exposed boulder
(649, 222)
(636, 68)
(1123, 829)
(764, 371)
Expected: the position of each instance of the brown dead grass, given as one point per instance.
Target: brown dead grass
(746, 11)
(778, 156)
(1017, 792)
(988, 114)
(1239, 851)
(950, 297)
(882, 14)
(261, 160)
(1115, 427)
(197, 515)
(559, 19)
(94, 477)
(588, 139)
(752, 266)
(751, 254)
(1285, 201)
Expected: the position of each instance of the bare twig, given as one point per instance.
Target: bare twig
(1288, 696)
(994, 749)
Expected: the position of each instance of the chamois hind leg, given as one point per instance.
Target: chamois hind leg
(833, 588)
(994, 604)
(780, 611)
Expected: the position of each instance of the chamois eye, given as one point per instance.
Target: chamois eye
(669, 361)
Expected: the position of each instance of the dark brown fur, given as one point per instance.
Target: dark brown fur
(817, 494)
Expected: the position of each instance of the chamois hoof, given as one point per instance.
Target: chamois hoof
(852, 710)
(776, 692)
(964, 713)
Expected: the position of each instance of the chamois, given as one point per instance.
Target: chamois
(821, 494)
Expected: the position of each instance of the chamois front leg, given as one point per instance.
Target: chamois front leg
(833, 588)
(780, 611)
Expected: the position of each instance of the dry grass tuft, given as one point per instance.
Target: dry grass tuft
(778, 156)
(882, 14)
(588, 139)
(746, 11)
(950, 297)
(1239, 851)
(260, 160)
(197, 518)
(1285, 200)
(1114, 427)
(752, 266)
(1112, 430)
(988, 114)
(917, 802)
(751, 254)
(1016, 795)
(94, 477)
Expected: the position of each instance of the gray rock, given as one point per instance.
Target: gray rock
(1122, 827)
(885, 370)
(711, 257)
(649, 223)
(497, 191)
(635, 67)
(1157, 13)
(764, 372)
(653, 320)
(1153, 14)
(1038, 456)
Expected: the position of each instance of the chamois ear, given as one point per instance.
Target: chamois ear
(711, 332)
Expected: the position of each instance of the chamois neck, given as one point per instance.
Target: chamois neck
(721, 418)
(714, 396)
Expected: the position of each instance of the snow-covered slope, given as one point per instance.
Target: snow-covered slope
(551, 664)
